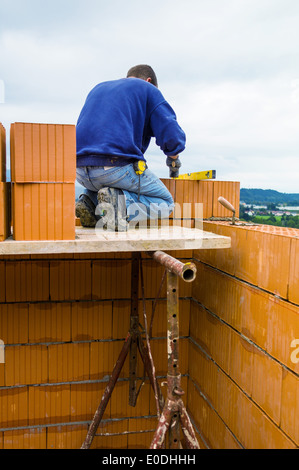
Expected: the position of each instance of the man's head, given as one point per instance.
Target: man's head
(145, 72)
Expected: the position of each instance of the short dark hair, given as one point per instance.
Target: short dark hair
(144, 72)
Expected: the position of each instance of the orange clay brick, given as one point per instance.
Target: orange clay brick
(68, 362)
(259, 257)
(2, 375)
(103, 356)
(13, 407)
(290, 405)
(49, 405)
(230, 190)
(213, 336)
(43, 211)
(70, 280)
(49, 322)
(192, 193)
(241, 359)
(170, 185)
(43, 153)
(66, 437)
(85, 399)
(271, 323)
(266, 384)
(5, 212)
(2, 153)
(14, 323)
(246, 364)
(111, 280)
(121, 318)
(118, 440)
(26, 281)
(215, 433)
(26, 365)
(223, 259)
(91, 321)
(248, 423)
(220, 294)
(3, 281)
(25, 439)
(120, 401)
(294, 271)
(138, 440)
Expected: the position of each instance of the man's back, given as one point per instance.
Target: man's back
(119, 118)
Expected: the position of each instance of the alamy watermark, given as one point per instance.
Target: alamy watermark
(158, 220)
(295, 353)
(2, 92)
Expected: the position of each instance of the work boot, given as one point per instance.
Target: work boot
(85, 211)
(112, 208)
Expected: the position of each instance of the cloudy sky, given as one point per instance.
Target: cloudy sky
(229, 68)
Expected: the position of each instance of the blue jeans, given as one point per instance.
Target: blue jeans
(155, 201)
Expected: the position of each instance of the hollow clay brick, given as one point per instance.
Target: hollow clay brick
(230, 190)
(42, 153)
(43, 211)
(5, 212)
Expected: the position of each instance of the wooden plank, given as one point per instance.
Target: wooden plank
(100, 241)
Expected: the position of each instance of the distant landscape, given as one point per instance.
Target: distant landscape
(265, 196)
(269, 207)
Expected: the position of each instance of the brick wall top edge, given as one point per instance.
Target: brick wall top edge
(271, 229)
(44, 123)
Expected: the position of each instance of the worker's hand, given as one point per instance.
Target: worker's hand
(174, 164)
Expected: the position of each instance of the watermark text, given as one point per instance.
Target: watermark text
(295, 353)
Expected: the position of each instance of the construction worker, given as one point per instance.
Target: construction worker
(113, 131)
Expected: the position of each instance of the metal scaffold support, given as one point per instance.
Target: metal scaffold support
(174, 412)
(171, 413)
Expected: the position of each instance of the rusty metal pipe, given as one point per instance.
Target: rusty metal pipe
(186, 271)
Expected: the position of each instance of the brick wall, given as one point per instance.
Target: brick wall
(63, 321)
(243, 389)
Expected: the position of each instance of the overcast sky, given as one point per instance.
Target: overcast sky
(229, 68)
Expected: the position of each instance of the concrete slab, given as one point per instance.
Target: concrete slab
(99, 241)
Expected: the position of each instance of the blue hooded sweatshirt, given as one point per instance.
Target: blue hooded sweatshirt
(119, 118)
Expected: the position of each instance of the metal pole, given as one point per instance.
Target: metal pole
(134, 325)
(173, 375)
(174, 413)
(186, 271)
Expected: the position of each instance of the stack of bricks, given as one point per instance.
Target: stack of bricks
(4, 189)
(43, 173)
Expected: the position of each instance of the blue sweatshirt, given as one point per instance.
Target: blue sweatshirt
(119, 118)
